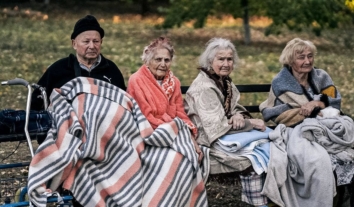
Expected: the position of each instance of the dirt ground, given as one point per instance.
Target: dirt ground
(224, 191)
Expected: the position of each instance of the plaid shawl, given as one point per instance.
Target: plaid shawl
(105, 152)
(286, 96)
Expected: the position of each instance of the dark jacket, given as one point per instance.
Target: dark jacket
(67, 69)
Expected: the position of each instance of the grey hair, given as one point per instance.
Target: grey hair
(212, 47)
(161, 42)
(293, 47)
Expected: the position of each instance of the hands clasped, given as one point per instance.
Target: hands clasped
(238, 122)
(307, 108)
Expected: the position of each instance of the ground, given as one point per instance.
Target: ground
(225, 191)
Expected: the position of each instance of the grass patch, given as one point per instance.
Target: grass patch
(30, 45)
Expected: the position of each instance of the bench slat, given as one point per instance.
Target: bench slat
(252, 88)
(252, 109)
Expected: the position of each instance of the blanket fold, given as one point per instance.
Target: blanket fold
(336, 136)
(253, 145)
(102, 149)
(300, 171)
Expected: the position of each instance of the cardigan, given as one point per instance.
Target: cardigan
(204, 105)
(153, 101)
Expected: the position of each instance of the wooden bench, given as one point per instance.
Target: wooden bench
(251, 88)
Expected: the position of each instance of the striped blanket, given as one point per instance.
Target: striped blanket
(105, 152)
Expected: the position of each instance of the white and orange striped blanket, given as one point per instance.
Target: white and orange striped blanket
(105, 152)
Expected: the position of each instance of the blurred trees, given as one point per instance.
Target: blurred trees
(350, 4)
(185, 10)
(295, 15)
(298, 15)
(142, 6)
(314, 14)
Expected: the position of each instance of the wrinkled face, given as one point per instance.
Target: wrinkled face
(160, 63)
(303, 62)
(87, 45)
(223, 62)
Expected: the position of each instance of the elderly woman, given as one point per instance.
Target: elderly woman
(311, 138)
(212, 104)
(299, 90)
(158, 94)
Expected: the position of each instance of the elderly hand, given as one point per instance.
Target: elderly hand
(307, 108)
(258, 124)
(198, 151)
(237, 121)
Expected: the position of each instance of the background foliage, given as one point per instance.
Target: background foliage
(316, 15)
(31, 43)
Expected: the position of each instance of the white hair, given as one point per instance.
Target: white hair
(212, 47)
(293, 47)
(161, 42)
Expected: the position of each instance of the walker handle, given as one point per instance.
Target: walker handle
(16, 81)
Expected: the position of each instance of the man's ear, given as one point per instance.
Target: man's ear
(73, 43)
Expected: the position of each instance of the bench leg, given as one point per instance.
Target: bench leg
(345, 195)
(351, 193)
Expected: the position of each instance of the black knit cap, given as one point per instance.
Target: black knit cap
(87, 23)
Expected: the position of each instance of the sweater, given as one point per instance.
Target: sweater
(66, 69)
(153, 101)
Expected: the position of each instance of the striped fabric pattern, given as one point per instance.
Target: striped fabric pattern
(102, 149)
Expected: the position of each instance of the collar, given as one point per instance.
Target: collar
(94, 65)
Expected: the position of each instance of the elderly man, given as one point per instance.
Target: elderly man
(88, 62)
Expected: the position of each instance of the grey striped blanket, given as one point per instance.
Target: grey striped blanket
(105, 152)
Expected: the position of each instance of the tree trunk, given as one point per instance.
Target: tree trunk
(144, 7)
(246, 22)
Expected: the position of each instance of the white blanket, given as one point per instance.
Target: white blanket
(300, 171)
